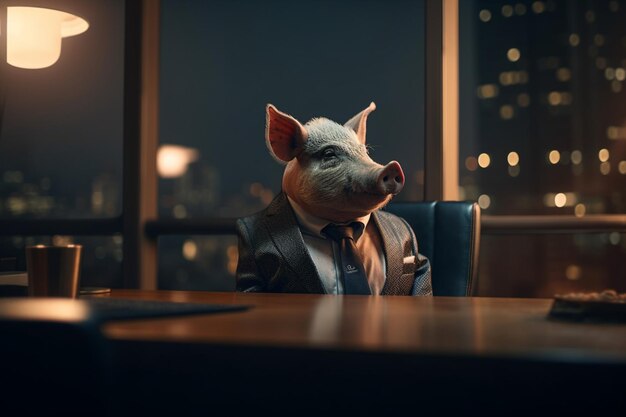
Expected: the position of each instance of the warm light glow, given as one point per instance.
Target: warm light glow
(34, 35)
(560, 200)
(484, 160)
(571, 199)
(190, 250)
(471, 163)
(580, 210)
(507, 10)
(603, 155)
(576, 157)
(563, 74)
(574, 39)
(487, 91)
(554, 157)
(520, 9)
(616, 132)
(513, 158)
(538, 7)
(484, 201)
(179, 211)
(60, 240)
(513, 54)
(573, 272)
(523, 100)
(255, 189)
(172, 160)
(484, 15)
(232, 254)
(267, 196)
(556, 98)
(507, 112)
(513, 77)
(621, 167)
(605, 168)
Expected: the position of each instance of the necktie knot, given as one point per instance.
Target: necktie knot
(338, 232)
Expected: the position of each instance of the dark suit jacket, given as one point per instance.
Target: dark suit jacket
(273, 256)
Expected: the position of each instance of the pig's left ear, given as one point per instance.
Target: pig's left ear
(359, 122)
(284, 135)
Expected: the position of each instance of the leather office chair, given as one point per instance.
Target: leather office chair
(448, 233)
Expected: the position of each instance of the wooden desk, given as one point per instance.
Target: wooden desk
(312, 354)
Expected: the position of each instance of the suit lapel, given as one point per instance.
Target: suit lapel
(283, 229)
(392, 245)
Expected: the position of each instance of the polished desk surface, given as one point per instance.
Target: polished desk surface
(313, 355)
(473, 327)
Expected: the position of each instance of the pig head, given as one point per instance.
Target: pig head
(329, 172)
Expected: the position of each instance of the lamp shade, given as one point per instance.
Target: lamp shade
(34, 35)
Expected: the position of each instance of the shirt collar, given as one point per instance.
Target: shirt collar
(314, 224)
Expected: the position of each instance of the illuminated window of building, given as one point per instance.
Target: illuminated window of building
(560, 106)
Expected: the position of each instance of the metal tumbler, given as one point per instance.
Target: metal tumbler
(53, 271)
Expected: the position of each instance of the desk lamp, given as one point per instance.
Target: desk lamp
(31, 37)
(34, 35)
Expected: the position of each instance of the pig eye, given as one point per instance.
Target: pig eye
(329, 154)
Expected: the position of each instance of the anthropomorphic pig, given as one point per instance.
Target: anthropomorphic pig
(324, 232)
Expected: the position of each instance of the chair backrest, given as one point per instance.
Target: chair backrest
(448, 233)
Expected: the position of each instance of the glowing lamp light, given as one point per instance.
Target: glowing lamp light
(34, 35)
(173, 160)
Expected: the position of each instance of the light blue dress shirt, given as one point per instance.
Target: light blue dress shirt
(325, 252)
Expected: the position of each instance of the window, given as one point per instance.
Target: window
(542, 134)
(222, 62)
(61, 139)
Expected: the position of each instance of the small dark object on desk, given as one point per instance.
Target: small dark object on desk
(108, 309)
(607, 306)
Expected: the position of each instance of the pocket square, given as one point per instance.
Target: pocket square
(408, 265)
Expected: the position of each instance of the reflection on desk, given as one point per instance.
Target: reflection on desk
(359, 355)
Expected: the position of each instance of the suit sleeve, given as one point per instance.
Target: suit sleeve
(422, 285)
(248, 277)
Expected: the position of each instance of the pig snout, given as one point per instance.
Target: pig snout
(391, 179)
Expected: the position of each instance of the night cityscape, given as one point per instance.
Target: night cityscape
(542, 132)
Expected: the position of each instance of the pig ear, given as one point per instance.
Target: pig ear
(284, 135)
(358, 123)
